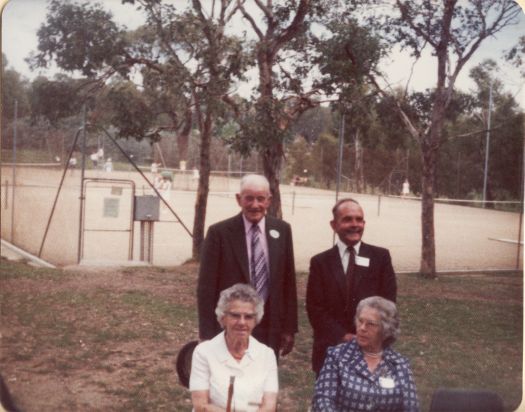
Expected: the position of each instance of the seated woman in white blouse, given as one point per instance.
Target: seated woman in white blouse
(235, 353)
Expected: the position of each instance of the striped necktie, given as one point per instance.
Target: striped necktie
(259, 269)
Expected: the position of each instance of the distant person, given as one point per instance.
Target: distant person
(165, 187)
(405, 191)
(154, 168)
(108, 165)
(342, 276)
(366, 374)
(234, 352)
(94, 159)
(257, 249)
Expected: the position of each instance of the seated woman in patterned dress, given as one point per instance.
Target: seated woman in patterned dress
(366, 374)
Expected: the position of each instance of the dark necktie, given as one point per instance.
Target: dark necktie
(259, 269)
(350, 272)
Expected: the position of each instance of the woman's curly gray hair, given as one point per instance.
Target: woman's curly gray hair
(389, 317)
(244, 293)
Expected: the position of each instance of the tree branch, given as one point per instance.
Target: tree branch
(290, 32)
(250, 19)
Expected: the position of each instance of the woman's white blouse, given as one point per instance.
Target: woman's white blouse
(212, 365)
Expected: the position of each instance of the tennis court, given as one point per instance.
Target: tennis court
(467, 238)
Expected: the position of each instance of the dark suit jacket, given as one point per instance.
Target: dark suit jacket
(329, 312)
(224, 262)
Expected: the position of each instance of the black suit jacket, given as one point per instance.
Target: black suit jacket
(329, 312)
(224, 262)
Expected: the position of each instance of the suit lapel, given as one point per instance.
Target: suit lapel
(361, 271)
(274, 244)
(336, 267)
(238, 239)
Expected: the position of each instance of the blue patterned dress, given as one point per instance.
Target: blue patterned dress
(346, 384)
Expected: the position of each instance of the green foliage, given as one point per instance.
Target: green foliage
(132, 116)
(55, 99)
(346, 56)
(516, 55)
(14, 88)
(260, 128)
(80, 37)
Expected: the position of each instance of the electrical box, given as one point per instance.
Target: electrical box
(147, 208)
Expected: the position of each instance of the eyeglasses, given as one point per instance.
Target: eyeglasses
(367, 323)
(251, 199)
(238, 316)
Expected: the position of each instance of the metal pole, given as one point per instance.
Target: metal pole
(130, 160)
(14, 175)
(58, 192)
(82, 171)
(521, 208)
(340, 157)
(487, 144)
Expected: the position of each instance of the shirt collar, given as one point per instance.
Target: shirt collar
(342, 247)
(248, 225)
(224, 355)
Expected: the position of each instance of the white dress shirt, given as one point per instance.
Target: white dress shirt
(256, 373)
(344, 254)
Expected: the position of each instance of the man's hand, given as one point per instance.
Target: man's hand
(287, 341)
(347, 337)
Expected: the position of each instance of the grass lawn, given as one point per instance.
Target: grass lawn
(106, 339)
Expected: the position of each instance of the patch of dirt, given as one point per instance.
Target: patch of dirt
(84, 356)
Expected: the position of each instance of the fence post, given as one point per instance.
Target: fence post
(14, 175)
(378, 205)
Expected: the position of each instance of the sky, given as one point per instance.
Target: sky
(22, 18)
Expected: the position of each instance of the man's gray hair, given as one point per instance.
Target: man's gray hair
(340, 202)
(254, 180)
(244, 293)
(389, 317)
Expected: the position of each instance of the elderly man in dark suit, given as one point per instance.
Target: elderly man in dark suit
(343, 275)
(253, 248)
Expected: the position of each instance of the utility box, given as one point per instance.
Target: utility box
(147, 208)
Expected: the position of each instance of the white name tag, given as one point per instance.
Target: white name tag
(387, 383)
(362, 261)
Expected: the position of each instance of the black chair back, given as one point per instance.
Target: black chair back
(465, 400)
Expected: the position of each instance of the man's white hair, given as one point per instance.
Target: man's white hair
(253, 180)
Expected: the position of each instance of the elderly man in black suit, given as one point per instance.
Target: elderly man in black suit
(253, 248)
(343, 275)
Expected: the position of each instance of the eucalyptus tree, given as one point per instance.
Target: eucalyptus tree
(182, 54)
(453, 31)
(279, 29)
(516, 55)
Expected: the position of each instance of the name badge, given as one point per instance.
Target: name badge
(386, 383)
(362, 261)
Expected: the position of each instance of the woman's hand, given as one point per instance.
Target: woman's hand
(201, 402)
(269, 402)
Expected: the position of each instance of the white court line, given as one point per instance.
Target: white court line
(514, 242)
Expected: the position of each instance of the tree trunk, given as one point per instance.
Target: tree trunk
(204, 187)
(183, 136)
(358, 165)
(429, 150)
(271, 154)
(272, 159)
(428, 247)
